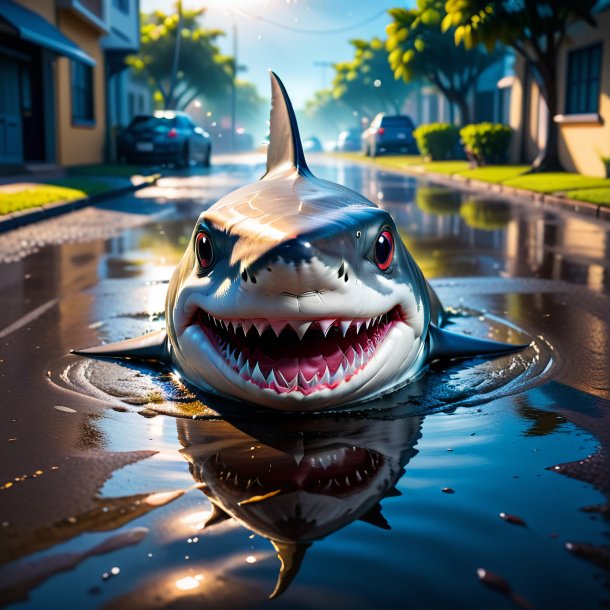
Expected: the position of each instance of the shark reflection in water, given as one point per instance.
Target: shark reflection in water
(299, 480)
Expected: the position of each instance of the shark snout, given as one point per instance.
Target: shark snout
(296, 267)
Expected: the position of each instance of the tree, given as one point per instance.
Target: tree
(366, 84)
(252, 108)
(200, 70)
(419, 49)
(535, 29)
(325, 114)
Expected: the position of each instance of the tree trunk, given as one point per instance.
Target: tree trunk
(464, 108)
(548, 158)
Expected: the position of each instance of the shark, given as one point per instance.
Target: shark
(298, 294)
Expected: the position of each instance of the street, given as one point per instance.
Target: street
(92, 451)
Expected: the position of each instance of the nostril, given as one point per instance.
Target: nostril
(244, 275)
(341, 270)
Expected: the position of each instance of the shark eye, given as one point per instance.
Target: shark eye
(384, 250)
(204, 249)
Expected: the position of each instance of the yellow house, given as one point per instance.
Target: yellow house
(583, 86)
(54, 66)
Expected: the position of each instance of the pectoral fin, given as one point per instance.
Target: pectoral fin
(152, 346)
(445, 344)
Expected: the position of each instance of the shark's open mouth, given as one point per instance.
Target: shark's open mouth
(340, 471)
(297, 355)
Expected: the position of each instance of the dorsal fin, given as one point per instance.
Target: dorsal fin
(285, 151)
(291, 556)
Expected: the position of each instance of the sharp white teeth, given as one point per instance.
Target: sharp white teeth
(351, 356)
(257, 374)
(338, 376)
(234, 325)
(358, 324)
(288, 384)
(325, 380)
(303, 383)
(368, 322)
(345, 324)
(240, 360)
(260, 325)
(325, 325)
(300, 327)
(225, 324)
(233, 358)
(278, 326)
(246, 325)
(245, 370)
(359, 355)
(313, 382)
(271, 378)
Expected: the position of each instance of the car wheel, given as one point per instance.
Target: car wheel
(207, 157)
(185, 159)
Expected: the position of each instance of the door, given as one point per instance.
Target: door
(32, 116)
(11, 140)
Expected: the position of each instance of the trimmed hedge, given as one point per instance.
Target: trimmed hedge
(486, 143)
(437, 141)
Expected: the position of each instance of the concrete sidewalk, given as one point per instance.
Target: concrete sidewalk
(29, 198)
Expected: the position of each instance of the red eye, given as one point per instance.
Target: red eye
(205, 250)
(384, 250)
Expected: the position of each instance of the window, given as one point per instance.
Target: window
(122, 5)
(584, 72)
(82, 93)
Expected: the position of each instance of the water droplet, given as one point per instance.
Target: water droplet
(514, 519)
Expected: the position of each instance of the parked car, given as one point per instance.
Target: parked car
(165, 137)
(349, 139)
(389, 133)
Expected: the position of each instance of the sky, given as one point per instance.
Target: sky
(267, 36)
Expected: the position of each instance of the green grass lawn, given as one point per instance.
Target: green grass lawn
(445, 167)
(496, 174)
(556, 182)
(574, 186)
(599, 196)
(89, 186)
(34, 196)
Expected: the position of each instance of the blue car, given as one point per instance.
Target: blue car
(389, 133)
(165, 137)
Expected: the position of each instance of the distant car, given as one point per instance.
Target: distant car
(349, 139)
(389, 133)
(165, 137)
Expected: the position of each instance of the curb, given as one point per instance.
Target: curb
(585, 208)
(15, 220)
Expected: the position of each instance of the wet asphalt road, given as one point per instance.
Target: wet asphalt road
(101, 273)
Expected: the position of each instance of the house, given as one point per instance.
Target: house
(583, 87)
(125, 96)
(487, 101)
(55, 56)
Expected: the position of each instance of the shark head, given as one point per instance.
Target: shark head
(294, 292)
(298, 294)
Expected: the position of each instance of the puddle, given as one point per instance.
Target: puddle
(153, 389)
